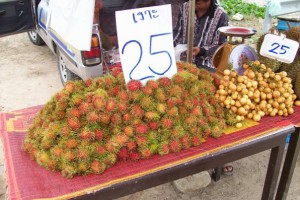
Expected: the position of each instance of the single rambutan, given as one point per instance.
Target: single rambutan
(141, 129)
(160, 95)
(147, 102)
(126, 117)
(182, 110)
(111, 105)
(110, 159)
(85, 108)
(145, 152)
(206, 131)
(123, 153)
(43, 158)
(147, 90)
(194, 130)
(123, 95)
(152, 116)
(164, 82)
(188, 104)
(161, 108)
(71, 143)
(152, 84)
(82, 167)
(141, 140)
(175, 146)
(116, 71)
(153, 125)
(52, 165)
(123, 107)
(196, 111)
(196, 141)
(99, 134)
(109, 81)
(82, 153)
(137, 111)
(190, 121)
(120, 139)
(86, 134)
(68, 171)
(88, 82)
(97, 167)
(65, 131)
(99, 103)
(131, 145)
(68, 156)
(216, 132)
(135, 96)
(92, 117)
(128, 130)
(116, 118)
(173, 112)
(74, 123)
(178, 79)
(171, 102)
(74, 112)
(167, 123)
(99, 149)
(46, 143)
(175, 91)
(185, 142)
(104, 118)
(163, 148)
(134, 85)
(134, 156)
(69, 87)
(112, 147)
(178, 132)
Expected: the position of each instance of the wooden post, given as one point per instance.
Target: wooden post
(191, 26)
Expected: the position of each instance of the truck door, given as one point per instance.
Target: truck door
(16, 16)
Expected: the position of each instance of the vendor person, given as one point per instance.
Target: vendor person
(209, 16)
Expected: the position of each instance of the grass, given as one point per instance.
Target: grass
(247, 9)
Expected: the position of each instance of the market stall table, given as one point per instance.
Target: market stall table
(27, 180)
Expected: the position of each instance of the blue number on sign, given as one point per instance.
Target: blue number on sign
(276, 47)
(283, 48)
(160, 52)
(139, 60)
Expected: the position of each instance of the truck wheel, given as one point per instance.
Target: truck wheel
(65, 74)
(35, 38)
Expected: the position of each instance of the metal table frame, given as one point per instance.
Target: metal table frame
(289, 165)
(275, 141)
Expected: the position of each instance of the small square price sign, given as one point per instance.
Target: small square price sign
(279, 48)
(145, 38)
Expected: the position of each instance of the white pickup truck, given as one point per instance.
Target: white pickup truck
(30, 16)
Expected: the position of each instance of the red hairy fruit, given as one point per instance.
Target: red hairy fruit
(134, 85)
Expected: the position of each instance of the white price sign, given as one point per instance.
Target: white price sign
(145, 40)
(279, 48)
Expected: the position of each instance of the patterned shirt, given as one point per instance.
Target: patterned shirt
(206, 34)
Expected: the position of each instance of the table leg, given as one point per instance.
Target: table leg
(289, 165)
(216, 174)
(273, 171)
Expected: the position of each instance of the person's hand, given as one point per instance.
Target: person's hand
(196, 51)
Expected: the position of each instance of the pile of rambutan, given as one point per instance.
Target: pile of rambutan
(90, 125)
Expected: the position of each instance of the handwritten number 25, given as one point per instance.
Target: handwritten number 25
(152, 53)
(282, 48)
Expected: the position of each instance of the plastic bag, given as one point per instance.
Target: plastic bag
(180, 48)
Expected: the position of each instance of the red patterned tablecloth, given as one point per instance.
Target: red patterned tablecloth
(27, 180)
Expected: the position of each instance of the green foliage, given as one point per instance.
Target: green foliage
(238, 6)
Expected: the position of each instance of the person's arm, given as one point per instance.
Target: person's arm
(218, 38)
(178, 30)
